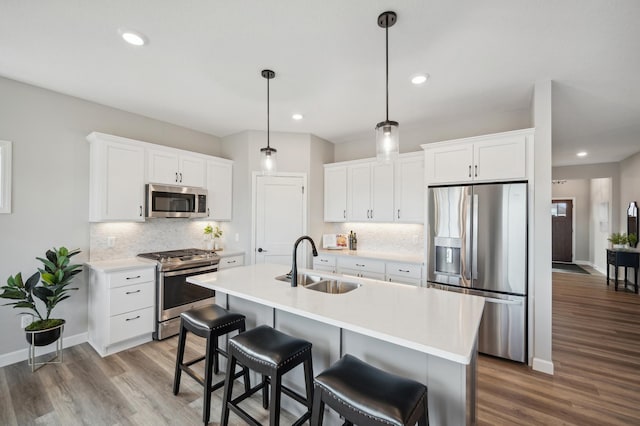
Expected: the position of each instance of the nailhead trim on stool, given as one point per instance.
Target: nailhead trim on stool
(270, 353)
(368, 396)
(210, 322)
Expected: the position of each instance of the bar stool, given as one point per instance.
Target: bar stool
(368, 396)
(210, 322)
(270, 353)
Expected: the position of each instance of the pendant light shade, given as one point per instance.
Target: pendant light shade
(268, 155)
(387, 132)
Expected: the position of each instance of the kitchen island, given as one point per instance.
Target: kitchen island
(424, 334)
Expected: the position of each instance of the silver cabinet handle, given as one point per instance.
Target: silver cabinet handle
(371, 213)
(324, 260)
(208, 211)
(176, 177)
(360, 264)
(403, 270)
(140, 211)
(469, 170)
(344, 214)
(398, 213)
(133, 292)
(476, 173)
(133, 278)
(180, 177)
(131, 319)
(231, 261)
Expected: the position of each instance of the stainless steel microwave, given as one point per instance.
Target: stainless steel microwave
(175, 201)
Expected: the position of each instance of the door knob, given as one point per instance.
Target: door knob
(260, 250)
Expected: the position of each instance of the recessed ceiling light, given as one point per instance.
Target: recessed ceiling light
(133, 37)
(297, 116)
(419, 79)
(582, 154)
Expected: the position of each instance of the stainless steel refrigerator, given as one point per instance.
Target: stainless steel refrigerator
(478, 245)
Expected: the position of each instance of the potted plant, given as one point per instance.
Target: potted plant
(217, 233)
(633, 240)
(208, 235)
(618, 240)
(49, 285)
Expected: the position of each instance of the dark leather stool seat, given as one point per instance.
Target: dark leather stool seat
(270, 353)
(366, 395)
(210, 322)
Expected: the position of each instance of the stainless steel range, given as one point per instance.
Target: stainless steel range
(174, 294)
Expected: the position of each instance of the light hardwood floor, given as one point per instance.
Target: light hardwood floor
(596, 352)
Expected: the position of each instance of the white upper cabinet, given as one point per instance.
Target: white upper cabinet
(116, 180)
(173, 167)
(220, 186)
(496, 157)
(370, 192)
(335, 194)
(409, 189)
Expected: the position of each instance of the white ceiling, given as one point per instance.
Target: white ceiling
(202, 66)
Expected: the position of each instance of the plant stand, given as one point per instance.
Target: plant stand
(58, 356)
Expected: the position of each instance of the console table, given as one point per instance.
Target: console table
(626, 258)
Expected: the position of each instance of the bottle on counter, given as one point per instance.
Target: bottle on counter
(354, 242)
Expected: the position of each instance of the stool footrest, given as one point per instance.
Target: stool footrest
(193, 361)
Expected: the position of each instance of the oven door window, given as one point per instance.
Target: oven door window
(173, 202)
(177, 291)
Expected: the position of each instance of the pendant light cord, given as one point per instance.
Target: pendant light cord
(268, 130)
(386, 34)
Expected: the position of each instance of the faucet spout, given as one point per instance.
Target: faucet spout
(294, 262)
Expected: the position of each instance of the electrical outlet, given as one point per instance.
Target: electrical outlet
(111, 241)
(25, 320)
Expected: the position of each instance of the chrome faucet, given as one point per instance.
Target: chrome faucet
(294, 263)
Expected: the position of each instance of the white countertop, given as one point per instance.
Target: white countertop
(440, 323)
(381, 255)
(121, 264)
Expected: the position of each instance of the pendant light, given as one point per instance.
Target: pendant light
(387, 132)
(268, 155)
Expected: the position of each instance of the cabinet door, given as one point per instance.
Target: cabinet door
(192, 171)
(335, 194)
(117, 190)
(449, 164)
(409, 190)
(382, 192)
(163, 167)
(220, 187)
(359, 193)
(501, 159)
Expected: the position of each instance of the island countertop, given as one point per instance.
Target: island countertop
(439, 323)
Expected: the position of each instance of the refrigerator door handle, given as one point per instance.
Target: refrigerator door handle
(503, 301)
(465, 220)
(474, 260)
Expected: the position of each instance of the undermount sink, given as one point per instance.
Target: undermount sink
(303, 279)
(333, 286)
(321, 284)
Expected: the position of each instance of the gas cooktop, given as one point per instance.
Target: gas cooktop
(181, 259)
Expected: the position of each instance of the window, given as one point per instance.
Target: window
(559, 209)
(5, 177)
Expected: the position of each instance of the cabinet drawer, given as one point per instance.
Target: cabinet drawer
(323, 260)
(361, 273)
(403, 280)
(404, 270)
(132, 276)
(324, 268)
(130, 298)
(132, 324)
(361, 264)
(231, 262)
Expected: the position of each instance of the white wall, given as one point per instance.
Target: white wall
(580, 190)
(601, 190)
(540, 289)
(51, 183)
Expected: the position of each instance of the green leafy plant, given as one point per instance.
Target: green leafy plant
(50, 285)
(633, 240)
(617, 238)
(208, 230)
(217, 232)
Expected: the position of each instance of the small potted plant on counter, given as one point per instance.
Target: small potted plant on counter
(633, 240)
(217, 234)
(208, 235)
(49, 285)
(618, 240)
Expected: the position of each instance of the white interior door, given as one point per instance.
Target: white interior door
(280, 218)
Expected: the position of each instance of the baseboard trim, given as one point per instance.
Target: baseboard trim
(23, 354)
(543, 366)
(583, 262)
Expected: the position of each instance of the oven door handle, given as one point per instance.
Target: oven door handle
(208, 268)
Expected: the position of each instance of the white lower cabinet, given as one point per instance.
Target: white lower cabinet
(121, 308)
(404, 273)
(378, 269)
(361, 267)
(324, 263)
(231, 261)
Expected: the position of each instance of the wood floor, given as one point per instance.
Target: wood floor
(596, 352)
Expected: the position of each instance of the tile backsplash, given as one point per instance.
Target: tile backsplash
(132, 238)
(383, 237)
